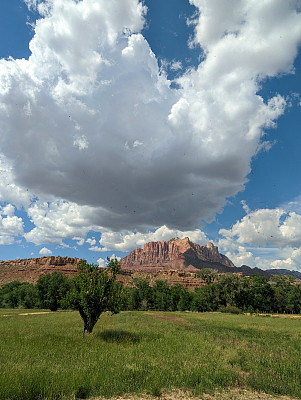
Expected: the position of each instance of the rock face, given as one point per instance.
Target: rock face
(176, 254)
(189, 279)
(29, 270)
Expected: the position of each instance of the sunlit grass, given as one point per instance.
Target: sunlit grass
(45, 356)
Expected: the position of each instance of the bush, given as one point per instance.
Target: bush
(231, 310)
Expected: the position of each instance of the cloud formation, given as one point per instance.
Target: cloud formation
(274, 235)
(10, 225)
(59, 220)
(274, 227)
(127, 241)
(90, 123)
(45, 252)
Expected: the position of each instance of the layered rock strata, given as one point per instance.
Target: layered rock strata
(183, 277)
(29, 270)
(176, 254)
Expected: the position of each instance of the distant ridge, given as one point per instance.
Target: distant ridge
(30, 269)
(176, 260)
(283, 271)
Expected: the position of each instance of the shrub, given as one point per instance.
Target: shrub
(231, 310)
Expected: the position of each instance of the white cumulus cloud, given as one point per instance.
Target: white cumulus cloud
(10, 226)
(59, 220)
(101, 262)
(45, 252)
(268, 238)
(274, 227)
(127, 241)
(106, 143)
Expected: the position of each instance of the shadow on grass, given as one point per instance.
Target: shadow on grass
(119, 336)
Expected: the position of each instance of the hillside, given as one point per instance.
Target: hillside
(29, 270)
(295, 274)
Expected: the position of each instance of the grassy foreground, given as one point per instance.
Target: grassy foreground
(44, 356)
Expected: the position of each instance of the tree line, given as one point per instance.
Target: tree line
(228, 292)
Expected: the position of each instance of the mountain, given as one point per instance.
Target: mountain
(29, 270)
(183, 255)
(176, 260)
(176, 254)
(295, 274)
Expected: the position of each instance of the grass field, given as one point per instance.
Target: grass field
(44, 356)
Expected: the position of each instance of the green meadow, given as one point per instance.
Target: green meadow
(45, 356)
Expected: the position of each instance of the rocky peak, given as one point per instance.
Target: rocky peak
(211, 248)
(174, 254)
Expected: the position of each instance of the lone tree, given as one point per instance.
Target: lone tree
(95, 291)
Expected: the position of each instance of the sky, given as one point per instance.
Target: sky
(125, 122)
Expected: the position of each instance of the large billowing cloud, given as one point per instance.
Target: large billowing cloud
(89, 118)
(59, 220)
(274, 227)
(268, 238)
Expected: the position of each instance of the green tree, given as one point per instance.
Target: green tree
(52, 288)
(19, 294)
(9, 296)
(185, 300)
(161, 295)
(95, 291)
(260, 293)
(229, 289)
(176, 292)
(208, 275)
(143, 295)
(28, 296)
(202, 299)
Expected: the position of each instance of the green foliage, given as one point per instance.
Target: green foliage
(142, 295)
(52, 288)
(95, 291)
(185, 300)
(249, 294)
(202, 299)
(16, 294)
(230, 310)
(177, 293)
(253, 294)
(208, 275)
(161, 295)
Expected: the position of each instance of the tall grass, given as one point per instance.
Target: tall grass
(46, 356)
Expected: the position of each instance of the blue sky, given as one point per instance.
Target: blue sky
(125, 124)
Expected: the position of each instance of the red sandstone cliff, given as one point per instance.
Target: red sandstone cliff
(29, 270)
(174, 254)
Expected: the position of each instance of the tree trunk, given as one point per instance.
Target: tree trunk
(88, 326)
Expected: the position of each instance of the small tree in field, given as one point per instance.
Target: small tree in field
(94, 292)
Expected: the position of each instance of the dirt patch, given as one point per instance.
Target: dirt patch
(243, 394)
(36, 313)
(290, 316)
(170, 318)
(286, 316)
(233, 394)
(27, 313)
